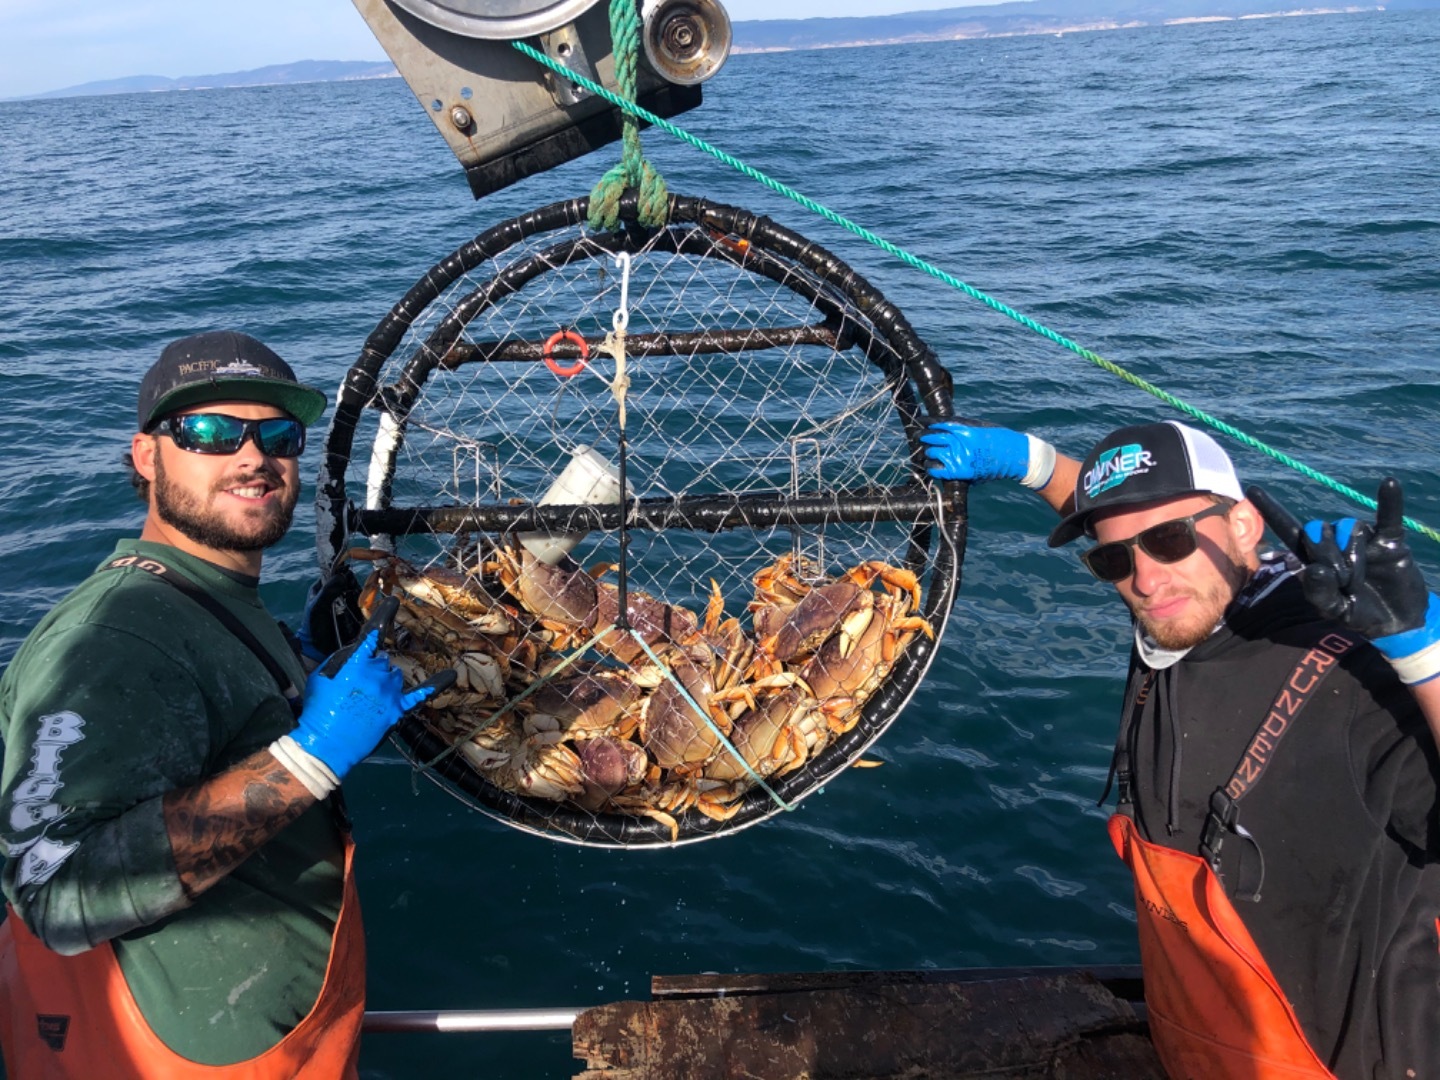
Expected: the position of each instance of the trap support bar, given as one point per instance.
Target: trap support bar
(449, 1021)
(644, 345)
(704, 513)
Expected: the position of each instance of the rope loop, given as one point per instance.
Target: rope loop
(633, 172)
(654, 205)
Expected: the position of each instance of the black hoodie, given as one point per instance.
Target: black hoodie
(1345, 818)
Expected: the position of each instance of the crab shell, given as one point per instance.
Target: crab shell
(840, 606)
(584, 705)
(562, 594)
(672, 732)
(609, 766)
(658, 624)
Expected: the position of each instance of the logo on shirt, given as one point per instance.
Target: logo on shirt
(1115, 466)
(1313, 668)
(33, 802)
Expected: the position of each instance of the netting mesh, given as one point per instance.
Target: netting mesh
(785, 564)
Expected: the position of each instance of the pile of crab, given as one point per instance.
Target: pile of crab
(672, 714)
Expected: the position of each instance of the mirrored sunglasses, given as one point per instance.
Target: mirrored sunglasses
(1168, 542)
(216, 433)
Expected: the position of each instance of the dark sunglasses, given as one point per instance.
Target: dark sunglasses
(216, 433)
(1168, 542)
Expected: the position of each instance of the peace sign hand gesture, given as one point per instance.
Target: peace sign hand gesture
(1365, 578)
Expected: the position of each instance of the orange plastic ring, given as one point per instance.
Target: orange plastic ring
(560, 369)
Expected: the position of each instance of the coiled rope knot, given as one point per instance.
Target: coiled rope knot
(633, 172)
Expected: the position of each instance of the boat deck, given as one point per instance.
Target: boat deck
(997, 1023)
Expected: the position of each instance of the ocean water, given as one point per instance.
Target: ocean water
(1243, 213)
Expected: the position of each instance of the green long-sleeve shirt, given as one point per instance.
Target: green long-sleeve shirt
(126, 690)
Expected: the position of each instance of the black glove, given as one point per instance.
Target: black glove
(1365, 578)
(332, 616)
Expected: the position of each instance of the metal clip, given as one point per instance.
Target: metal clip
(1224, 812)
(622, 313)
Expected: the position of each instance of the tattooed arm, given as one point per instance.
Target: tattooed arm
(216, 825)
(108, 822)
(83, 882)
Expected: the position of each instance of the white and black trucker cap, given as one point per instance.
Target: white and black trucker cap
(1143, 463)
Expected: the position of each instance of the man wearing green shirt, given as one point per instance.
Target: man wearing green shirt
(178, 879)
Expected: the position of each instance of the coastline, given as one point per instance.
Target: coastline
(750, 37)
(1059, 29)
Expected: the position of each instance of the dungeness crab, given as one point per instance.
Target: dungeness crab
(678, 713)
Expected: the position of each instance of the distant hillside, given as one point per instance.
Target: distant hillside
(1017, 17)
(302, 71)
(1029, 17)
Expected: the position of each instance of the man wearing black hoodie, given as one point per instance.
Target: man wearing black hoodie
(1276, 779)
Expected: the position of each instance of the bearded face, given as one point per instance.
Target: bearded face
(1206, 598)
(244, 509)
(1179, 604)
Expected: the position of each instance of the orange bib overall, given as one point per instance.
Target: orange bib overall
(74, 1018)
(1215, 1008)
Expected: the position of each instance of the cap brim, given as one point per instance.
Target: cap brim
(305, 403)
(1073, 527)
(1070, 528)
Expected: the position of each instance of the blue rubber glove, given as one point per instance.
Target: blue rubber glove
(347, 714)
(976, 454)
(1365, 578)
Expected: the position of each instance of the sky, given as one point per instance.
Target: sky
(52, 44)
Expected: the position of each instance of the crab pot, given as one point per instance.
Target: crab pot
(773, 402)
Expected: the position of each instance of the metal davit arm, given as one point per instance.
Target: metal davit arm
(504, 118)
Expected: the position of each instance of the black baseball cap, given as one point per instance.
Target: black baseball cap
(1143, 463)
(223, 365)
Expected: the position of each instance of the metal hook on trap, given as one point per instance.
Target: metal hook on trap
(560, 369)
(622, 313)
(614, 345)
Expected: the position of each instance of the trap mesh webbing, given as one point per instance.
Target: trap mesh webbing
(778, 530)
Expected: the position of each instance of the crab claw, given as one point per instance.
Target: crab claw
(898, 580)
(715, 610)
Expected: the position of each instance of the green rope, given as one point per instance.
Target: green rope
(920, 264)
(633, 171)
(709, 722)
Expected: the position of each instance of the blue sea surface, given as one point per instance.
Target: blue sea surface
(1243, 213)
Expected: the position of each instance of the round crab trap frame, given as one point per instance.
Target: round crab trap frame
(658, 497)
